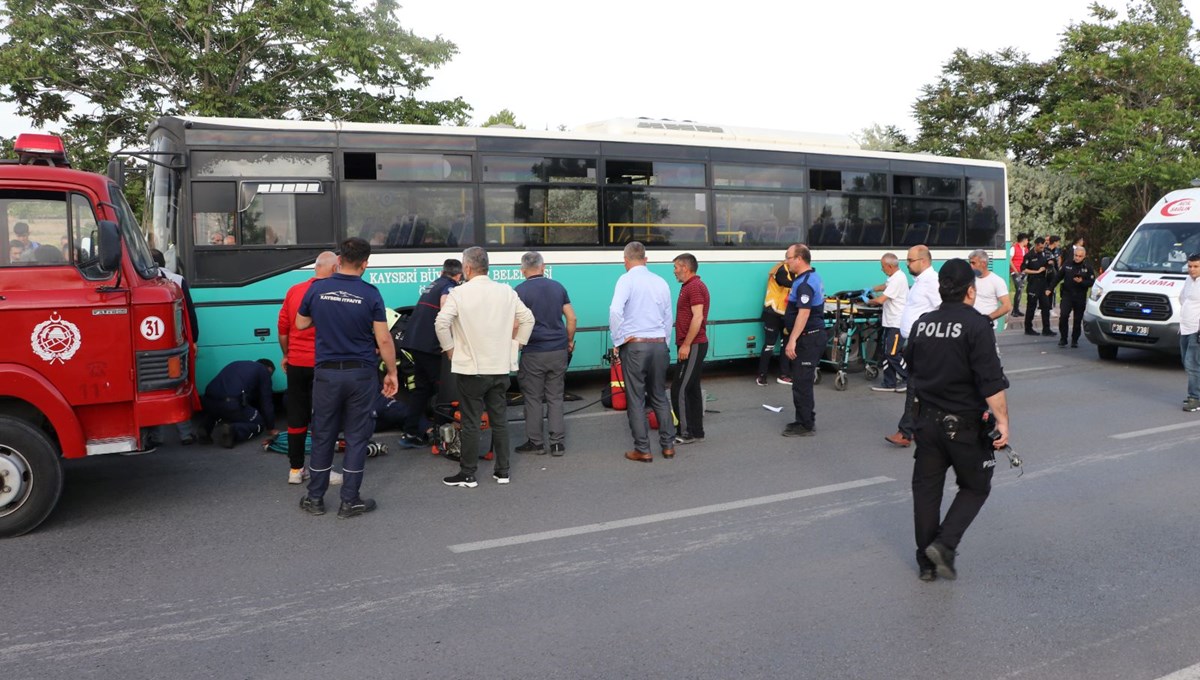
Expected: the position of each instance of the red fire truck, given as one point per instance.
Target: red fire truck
(92, 341)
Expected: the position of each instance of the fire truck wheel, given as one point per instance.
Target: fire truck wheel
(31, 477)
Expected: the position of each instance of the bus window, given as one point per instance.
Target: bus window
(395, 215)
(779, 177)
(847, 220)
(985, 213)
(214, 209)
(654, 173)
(532, 215)
(758, 219)
(656, 217)
(933, 223)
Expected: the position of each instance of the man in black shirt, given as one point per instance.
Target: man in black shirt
(1077, 277)
(1039, 272)
(956, 373)
(238, 402)
(421, 342)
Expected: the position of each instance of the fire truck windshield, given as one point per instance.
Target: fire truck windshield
(139, 252)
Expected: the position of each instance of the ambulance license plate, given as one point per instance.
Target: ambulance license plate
(1129, 329)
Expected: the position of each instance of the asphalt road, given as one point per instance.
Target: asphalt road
(748, 556)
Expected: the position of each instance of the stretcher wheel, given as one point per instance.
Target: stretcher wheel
(817, 377)
(872, 372)
(840, 382)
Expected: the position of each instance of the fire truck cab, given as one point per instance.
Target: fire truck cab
(92, 343)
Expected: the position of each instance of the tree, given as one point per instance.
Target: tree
(105, 70)
(1115, 109)
(503, 118)
(880, 138)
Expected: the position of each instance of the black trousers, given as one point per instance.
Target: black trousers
(809, 348)
(973, 461)
(479, 393)
(1072, 306)
(772, 334)
(1036, 296)
(686, 396)
(342, 400)
(298, 400)
(427, 375)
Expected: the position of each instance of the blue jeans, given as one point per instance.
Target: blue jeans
(1189, 350)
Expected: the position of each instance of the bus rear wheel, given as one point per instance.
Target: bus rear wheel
(31, 477)
(1107, 352)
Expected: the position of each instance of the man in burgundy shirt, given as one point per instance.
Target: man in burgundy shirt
(298, 361)
(691, 313)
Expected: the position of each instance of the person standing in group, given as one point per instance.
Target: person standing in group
(1054, 250)
(238, 402)
(892, 297)
(779, 284)
(639, 321)
(1038, 270)
(956, 374)
(691, 342)
(1016, 271)
(1077, 277)
(1189, 332)
(991, 291)
(922, 298)
(421, 342)
(476, 328)
(806, 341)
(299, 358)
(542, 371)
(352, 336)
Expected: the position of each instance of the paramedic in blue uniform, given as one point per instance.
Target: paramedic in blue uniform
(351, 326)
(956, 374)
(805, 316)
(238, 402)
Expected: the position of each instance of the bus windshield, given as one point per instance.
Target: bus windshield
(1156, 248)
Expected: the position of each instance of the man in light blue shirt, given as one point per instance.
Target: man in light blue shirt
(639, 321)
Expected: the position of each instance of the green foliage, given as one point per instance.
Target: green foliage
(1108, 121)
(503, 117)
(104, 70)
(880, 138)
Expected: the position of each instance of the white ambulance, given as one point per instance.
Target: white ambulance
(1135, 303)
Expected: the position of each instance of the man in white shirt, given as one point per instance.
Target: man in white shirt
(476, 327)
(1189, 332)
(892, 298)
(922, 297)
(991, 291)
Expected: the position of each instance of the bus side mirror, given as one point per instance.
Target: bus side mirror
(110, 246)
(1104, 262)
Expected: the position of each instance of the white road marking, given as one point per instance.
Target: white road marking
(1154, 430)
(1189, 673)
(595, 415)
(665, 516)
(1030, 369)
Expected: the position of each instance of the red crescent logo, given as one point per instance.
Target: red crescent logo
(1177, 208)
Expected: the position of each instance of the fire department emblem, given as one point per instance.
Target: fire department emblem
(56, 339)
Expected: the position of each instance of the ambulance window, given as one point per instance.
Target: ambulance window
(34, 228)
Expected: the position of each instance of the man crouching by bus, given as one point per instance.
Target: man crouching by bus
(237, 402)
(298, 359)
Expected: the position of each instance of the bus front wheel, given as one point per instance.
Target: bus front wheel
(1107, 352)
(31, 477)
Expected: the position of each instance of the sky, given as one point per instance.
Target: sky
(799, 65)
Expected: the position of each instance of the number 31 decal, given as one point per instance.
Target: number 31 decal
(153, 328)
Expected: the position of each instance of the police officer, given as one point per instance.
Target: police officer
(238, 402)
(805, 316)
(956, 372)
(351, 325)
(1077, 277)
(1038, 269)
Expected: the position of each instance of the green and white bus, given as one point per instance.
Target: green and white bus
(242, 207)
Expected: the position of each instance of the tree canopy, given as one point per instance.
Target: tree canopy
(101, 71)
(1112, 114)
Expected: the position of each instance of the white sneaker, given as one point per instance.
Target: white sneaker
(881, 388)
(296, 476)
(335, 478)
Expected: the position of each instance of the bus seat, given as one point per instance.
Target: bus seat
(873, 232)
(417, 235)
(457, 227)
(915, 234)
(939, 216)
(947, 234)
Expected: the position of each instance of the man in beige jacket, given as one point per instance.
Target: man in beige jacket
(476, 328)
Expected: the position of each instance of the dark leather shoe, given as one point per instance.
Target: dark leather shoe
(639, 456)
(313, 506)
(1029, 332)
(668, 453)
(899, 440)
(557, 450)
(943, 558)
(1048, 333)
(355, 508)
(530, 447)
